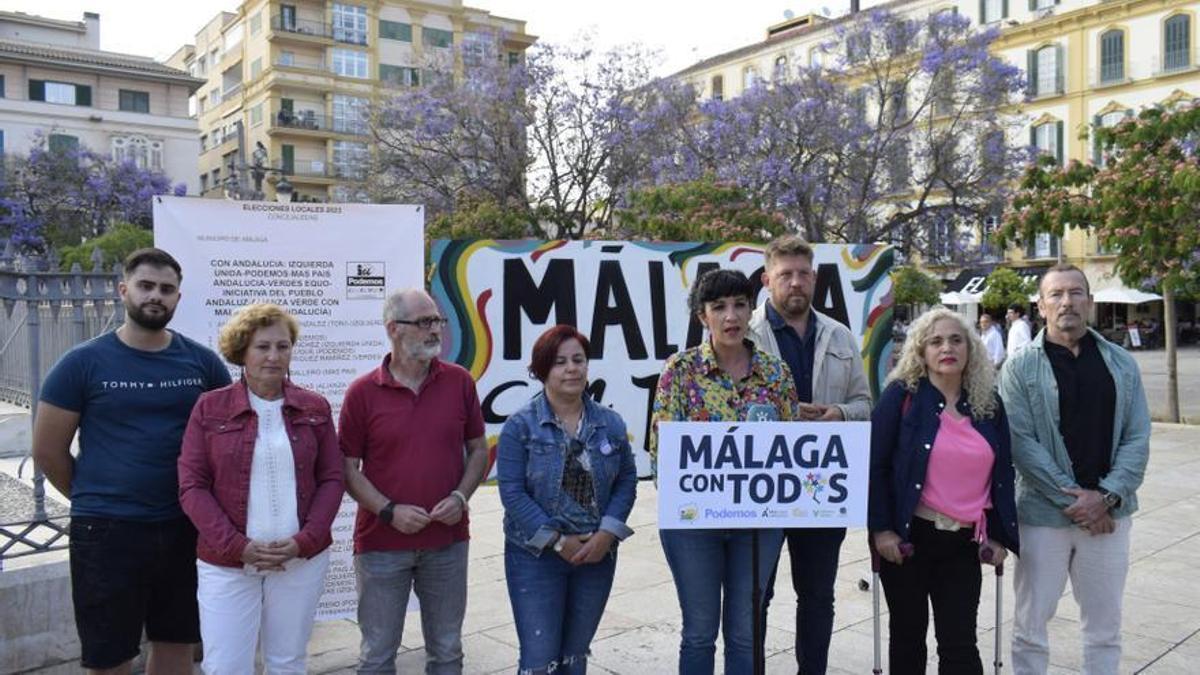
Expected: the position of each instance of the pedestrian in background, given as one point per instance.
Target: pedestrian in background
(568, 482)
(942, 481)
(260, 475)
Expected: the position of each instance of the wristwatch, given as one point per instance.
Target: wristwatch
(1111, 499)
(385, 514)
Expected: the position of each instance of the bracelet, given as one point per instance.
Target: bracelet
(461, 497)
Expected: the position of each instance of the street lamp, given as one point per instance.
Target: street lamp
(284, 192)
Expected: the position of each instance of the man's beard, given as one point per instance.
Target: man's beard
(137, 315)
(421, 351)
(794, 306)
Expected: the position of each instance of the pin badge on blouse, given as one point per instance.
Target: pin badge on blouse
(605, 448)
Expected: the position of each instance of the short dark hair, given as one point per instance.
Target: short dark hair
(1065, 267)
(788, 244)
(716, 284)
(1018, 308)
(545, 349)
(155, 257)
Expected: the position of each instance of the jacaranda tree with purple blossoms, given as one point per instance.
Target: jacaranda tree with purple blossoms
(63, 197)
(545, 138)
(897, 136)
(1144, 203)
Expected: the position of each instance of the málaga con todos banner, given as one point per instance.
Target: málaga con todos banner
(329, 265)
(763, 474)
(630, 299)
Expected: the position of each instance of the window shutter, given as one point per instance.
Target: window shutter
(1059, 80)
(1004, 9)
(1096, 156)
(1031, 247)
(83, 95)
(289, 159)
(983, 17)
(1031, 71)
(1032, 136)
(37, 90)
(1032, 5)
(1058, 132)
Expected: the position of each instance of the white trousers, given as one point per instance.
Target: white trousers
(1097, 566)
(238, 609)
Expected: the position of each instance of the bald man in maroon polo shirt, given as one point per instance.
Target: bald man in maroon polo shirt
(412, 432)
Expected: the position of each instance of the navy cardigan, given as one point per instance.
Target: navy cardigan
(901, 438)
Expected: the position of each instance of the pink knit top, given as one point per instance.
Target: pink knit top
(958, 478)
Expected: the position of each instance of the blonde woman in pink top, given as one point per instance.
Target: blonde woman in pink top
(942, 488)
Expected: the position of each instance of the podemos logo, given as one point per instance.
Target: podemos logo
(689, 513)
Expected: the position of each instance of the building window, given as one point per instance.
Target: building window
(1042, 4)
(477, 49)
(350, 159)
(256, 116)
(350, 63)
(1046, 71)
(749, 78)
(1042, 246)
(60, 92)
(288, 163)
(436, 37)
(286, 58)
(1048, 139)
(350, 23)
(1110, 119)
(62, 143)
(991, 11)
(514, 59)
(394, 30)
(2, 95)
(287, 17)
(858, 45)
(1112, 56)
(398, 76)
(780, 71)
(256, 24)
(349, 114)
(133, 101)
(718, 88)
(141, 151)
(255, 68)
(203, 183)
(1177, 41)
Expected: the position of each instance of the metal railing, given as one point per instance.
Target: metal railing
(301, 26)
(46, 312)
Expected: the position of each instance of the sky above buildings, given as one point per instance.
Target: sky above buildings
(683, 32)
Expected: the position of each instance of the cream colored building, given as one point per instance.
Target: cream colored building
(297, 78)
(1088, 61)
(55, 80)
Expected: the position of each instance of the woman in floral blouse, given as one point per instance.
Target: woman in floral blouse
(725, 379)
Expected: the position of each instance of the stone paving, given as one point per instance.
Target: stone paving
(640, 631)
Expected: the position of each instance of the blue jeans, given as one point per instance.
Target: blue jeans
(704, 563)
(557, 608)
(814, 557)
(384, 578)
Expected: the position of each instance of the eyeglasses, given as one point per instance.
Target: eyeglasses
(425, 322)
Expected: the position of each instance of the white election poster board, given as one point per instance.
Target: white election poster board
(331, 266)
(763, 474)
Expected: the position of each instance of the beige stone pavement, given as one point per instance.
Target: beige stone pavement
(640, 630)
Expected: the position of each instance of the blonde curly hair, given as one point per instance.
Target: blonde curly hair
(979, 377)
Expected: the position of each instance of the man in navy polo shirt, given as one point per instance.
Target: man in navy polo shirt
(413, 435)
(129, 393)
(832, 385)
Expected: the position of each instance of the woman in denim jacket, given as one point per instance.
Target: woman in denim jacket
(568, 481)
(942, 482)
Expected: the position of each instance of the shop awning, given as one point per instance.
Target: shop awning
(1124, 296)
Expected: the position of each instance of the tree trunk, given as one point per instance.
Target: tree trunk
(1169, 342)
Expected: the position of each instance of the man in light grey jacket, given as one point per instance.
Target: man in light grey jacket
(827, 368)
(1080, 441)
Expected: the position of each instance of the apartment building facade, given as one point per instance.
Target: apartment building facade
(1088, 62)
(55, 81)
(295, 80)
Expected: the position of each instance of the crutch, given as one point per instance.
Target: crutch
(985, 554)
(906, 550)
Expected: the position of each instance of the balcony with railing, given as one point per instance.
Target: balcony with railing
(1175, 61)
(302, 29)
(306, 63)
(350, 36)
(299, 120)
